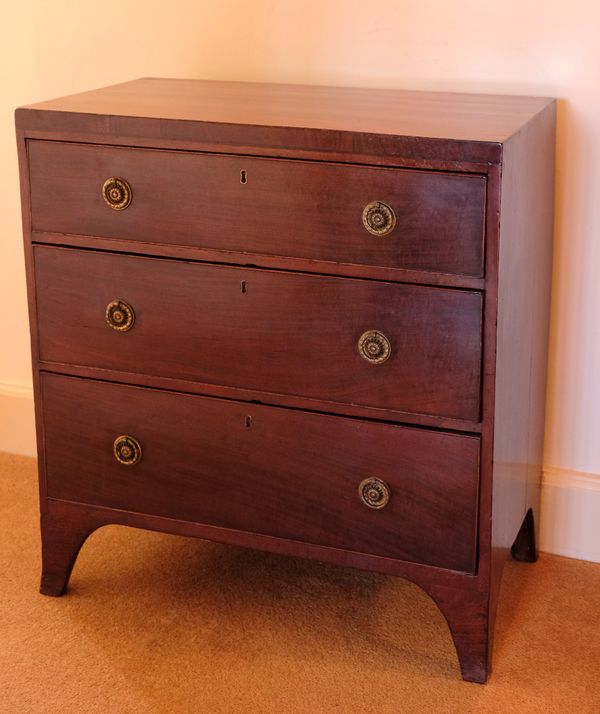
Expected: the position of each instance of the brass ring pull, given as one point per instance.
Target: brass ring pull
(127, 450)
(379, 218)
(374, 493)
(374, 346)
(119, 315)
(116, 193)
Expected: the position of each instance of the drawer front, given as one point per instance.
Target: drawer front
(279, 472)
(298, 209)
(269, 331)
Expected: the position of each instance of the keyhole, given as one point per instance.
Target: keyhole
(243, 176)
(248, 422)
(243, 286)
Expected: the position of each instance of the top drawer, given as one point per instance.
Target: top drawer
(291, 208)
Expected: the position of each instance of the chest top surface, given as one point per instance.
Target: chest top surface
(170, 106)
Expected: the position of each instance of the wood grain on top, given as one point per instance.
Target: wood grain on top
(461, 117)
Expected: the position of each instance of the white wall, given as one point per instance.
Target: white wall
(527, 47)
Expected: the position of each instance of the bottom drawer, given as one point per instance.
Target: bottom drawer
(279, 472)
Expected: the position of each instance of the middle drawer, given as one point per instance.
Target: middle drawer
(410, 349)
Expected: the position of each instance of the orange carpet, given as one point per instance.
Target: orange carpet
(158, 623)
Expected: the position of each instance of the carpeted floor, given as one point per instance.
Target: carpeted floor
(157, 623)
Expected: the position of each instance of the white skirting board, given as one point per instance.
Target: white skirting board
(17, 421)
(570, 514)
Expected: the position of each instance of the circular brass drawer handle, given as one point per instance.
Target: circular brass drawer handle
(374, 346)
(119, 315)
(127, 450)
(378, 218)
(374, 493)
(116, 193)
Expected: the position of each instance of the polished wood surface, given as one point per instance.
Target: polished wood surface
(304, 265)
(524, 280)
(395, 127)
(438, 115)
(501, 148)
(294, 209)
(245, 467)
(257, 330)
(258, 397)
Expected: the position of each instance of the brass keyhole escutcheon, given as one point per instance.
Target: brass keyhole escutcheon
(119, 315)
(374, 493)
(127, 450)
(378, 218)
(116, 193)
(374, 346)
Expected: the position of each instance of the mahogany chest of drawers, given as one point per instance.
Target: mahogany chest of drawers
(303, 319)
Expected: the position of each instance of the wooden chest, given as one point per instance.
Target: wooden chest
(303, 319)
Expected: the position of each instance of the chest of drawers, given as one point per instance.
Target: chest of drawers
(303, 319)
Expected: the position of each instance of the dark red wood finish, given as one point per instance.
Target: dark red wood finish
(247, 467)
(379, 125)
(263, 330)
(507, 140)
(226, 257)
(261, 397)
(301, 209)
(523, 275)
